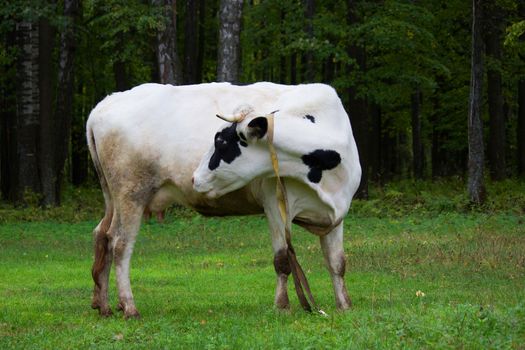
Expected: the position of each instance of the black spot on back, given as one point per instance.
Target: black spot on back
(310, 118)
(320, 160)
(226, 147)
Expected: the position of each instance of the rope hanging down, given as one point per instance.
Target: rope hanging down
(299, 278)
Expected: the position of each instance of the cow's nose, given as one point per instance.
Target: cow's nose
(193, 180)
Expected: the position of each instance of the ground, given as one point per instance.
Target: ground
(445, 280)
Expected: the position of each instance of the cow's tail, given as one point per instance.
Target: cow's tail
(100, 233)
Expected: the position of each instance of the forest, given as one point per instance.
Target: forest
(433, 88)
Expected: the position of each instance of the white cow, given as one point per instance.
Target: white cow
(151, 143)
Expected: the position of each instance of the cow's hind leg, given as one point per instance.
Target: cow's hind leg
(123, 235)
(282, 269)
(332, 246)
(102, 265)
(280, 260)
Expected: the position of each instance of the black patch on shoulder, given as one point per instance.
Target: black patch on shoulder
(320, 160)
(310, 118)
(226, 147)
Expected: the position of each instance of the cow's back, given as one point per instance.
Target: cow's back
(158, 134)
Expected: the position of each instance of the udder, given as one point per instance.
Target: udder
(165, 196)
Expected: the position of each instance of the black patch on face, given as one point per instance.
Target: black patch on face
(226, 147)
(310, 118)
(320, 160)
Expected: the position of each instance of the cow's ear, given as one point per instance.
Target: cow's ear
(257, 127)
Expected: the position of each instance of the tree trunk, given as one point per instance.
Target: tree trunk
(168, 62)
(5, 118)
(119, 66)
(282, 56)
(375, 149)
(308, 58)
(191, 42)
(521, 128)
(201, 35)
(437, 140)
(79, 158)
(496, 144)
(476, 187)
(228, 61)
(25, 173)
(389, 153)
(65, 93)
(121, 76)
(79, 150)
(358, 109)
(328, 70)
(520, 134)
(7, 121)
(417, 144)
(49, 127)
(293, 69)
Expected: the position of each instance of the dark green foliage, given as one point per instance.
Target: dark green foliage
(394, 200)
(407, 46)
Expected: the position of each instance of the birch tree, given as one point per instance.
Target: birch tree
(168, 62)
(25, 142)
(228, 61)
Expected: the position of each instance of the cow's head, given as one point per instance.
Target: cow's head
(239, 154)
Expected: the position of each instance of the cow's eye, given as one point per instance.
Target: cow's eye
(220, 143)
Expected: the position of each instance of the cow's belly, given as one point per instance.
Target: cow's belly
(239, 202)
(308, 210)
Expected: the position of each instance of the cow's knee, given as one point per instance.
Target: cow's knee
(283, 270)
(281, 263)
(337, 265)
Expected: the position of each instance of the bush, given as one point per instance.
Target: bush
(395, 199)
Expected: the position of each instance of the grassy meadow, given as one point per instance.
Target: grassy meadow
(424, 271)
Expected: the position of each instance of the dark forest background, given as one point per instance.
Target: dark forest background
(433, 88)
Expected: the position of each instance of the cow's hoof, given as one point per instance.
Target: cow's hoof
(283, 310)
(95, 301)
(134, 315)
(282, 306)
(130, 312)
(344, 306)
(105, 311)
(282, 302)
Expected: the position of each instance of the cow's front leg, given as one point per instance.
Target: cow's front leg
(122, 243)
(332, 246)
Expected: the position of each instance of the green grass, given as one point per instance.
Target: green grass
(209, 283)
